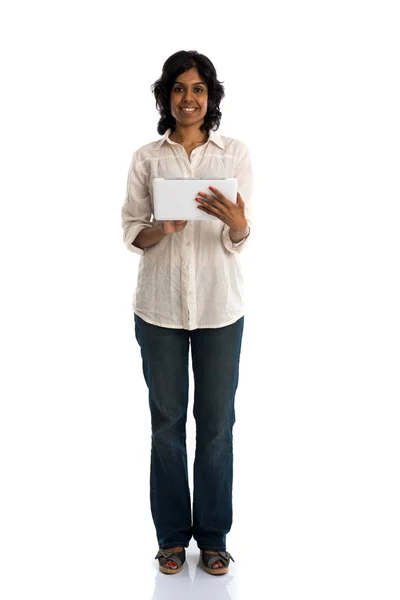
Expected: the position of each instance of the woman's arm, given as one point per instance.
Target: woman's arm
(235, 241)
(237, 235)
(136, 210)
(149, 237)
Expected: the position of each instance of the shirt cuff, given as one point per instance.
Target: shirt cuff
(131, 235)
(234, 247)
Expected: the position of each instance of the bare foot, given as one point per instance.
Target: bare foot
(217, 563)
(171, 563)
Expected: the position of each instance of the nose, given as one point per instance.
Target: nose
(188, 97)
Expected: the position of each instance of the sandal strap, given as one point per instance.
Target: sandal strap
(165, 555)
(226, 556)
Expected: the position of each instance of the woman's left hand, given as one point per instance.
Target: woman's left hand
(230, 213)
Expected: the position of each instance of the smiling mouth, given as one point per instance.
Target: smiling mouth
(188, 112)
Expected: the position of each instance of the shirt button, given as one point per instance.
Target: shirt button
(187, 243)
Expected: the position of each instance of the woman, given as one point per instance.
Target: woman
(190, 289)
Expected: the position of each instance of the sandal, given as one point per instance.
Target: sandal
(209, 557)
(169, 554)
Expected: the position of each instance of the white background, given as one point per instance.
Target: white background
(313, 89)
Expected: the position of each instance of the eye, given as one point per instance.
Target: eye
(180, 88)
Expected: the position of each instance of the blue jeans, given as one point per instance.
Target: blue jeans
(215, 361)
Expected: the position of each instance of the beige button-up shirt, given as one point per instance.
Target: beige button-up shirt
(191, 279)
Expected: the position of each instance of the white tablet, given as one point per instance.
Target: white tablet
(175, 199)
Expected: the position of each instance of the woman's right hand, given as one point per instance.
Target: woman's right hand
(173, 226)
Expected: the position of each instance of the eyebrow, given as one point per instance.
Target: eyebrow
(197, 82)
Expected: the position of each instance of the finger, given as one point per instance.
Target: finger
(211, 210)
(219, 195)
(206, 202)
(206, 197)
(209, 203)
(218, 215)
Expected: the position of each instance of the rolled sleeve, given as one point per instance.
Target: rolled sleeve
(136, 210)
(244, 175)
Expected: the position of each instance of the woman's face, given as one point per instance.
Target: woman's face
(189, 91)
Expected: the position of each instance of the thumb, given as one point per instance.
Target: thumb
(240, 200)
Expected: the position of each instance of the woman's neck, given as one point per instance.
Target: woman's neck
(190, 138)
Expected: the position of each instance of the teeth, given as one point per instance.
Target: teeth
(188, 109)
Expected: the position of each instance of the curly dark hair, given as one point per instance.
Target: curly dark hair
(178, 63)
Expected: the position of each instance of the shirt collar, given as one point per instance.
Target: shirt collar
(213, 137)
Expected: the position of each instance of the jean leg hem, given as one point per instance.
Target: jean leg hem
(168, 545)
